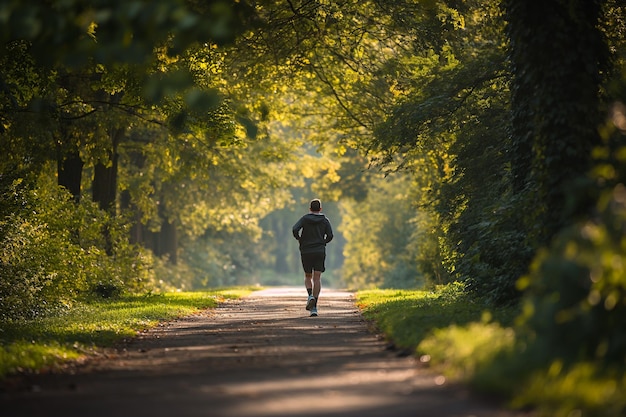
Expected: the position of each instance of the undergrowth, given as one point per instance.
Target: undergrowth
(489, 350)
(408, 316)
(30, 345)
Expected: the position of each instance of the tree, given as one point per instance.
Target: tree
(104, 90)
(399, 82)
(378, 234)
(574, 293)
(558, 55)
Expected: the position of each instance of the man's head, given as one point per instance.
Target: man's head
(315, 205)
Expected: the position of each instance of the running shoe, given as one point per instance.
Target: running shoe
(314, 312)
(310, 303)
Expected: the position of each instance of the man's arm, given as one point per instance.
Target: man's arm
(296, 229)
(328, 231)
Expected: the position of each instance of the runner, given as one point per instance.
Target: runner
(313, 231)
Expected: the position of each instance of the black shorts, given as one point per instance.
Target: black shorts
(313, 261)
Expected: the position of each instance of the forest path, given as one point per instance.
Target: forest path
(258, 356)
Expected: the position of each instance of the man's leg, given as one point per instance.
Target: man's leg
(317, 286)
(317, 283)
(308, 282)
(318, 268)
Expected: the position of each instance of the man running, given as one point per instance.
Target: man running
(313, 231)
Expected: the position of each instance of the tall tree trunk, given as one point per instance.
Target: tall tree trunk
(165, 241)
(104, 185)
(70, 173)
(136, 233)
(69, 163)
(557, 54)
(168, 241)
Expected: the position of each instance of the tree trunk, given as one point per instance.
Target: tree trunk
(104, 186)
(163, 242)
(136, 233)
(69, 163)
(70, 173)
(168, 241)
(557, 54)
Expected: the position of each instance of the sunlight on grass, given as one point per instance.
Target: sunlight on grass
(408, 316)
(46, 341)
(461, 350)
(21, 355)
(459, 338)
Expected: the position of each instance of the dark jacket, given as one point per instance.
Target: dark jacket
(316, 233)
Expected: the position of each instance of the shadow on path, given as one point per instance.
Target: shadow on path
(259, 356)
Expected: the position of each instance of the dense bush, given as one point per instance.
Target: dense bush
(577, 289)
(51, 252)
(499, 252)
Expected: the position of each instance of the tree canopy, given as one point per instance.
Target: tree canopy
(172, 143)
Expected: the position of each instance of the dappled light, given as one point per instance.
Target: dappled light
(618, 114)
(471, 161)
(260, 356)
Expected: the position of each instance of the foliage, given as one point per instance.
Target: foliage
(493, 360)
(69, 33)
(496, 250)
(465, 341)
(555, 108)
(579, 390)
(378, 231)
(48, 341)
(52, 252)
(407, 317)
(462, 350)
(159, 113)
(582, 304)
(572, 327)
(436, 107)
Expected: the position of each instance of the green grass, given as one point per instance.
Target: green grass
(408, 316)
(50, 341)
(466, 343)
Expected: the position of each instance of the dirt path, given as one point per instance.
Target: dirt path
(259, 356)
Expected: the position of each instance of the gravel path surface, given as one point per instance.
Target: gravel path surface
(258, 356)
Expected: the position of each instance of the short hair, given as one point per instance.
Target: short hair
(316, 205)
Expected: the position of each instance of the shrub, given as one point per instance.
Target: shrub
(51, 252)
(40, 268)
(577, 290)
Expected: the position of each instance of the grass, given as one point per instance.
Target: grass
(459, 336)
(50, 341)
(466, 342)
(408, 316)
